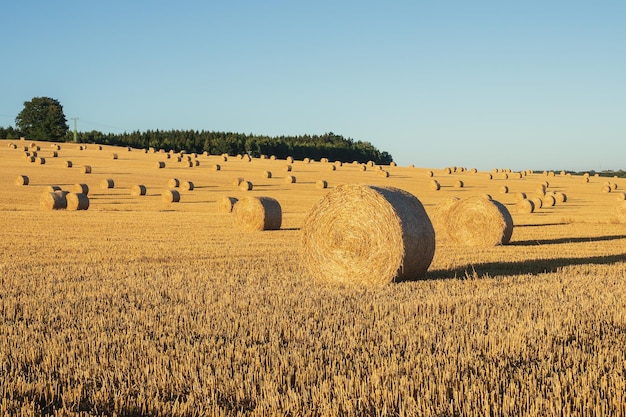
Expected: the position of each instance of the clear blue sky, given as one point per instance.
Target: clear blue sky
(485, 84)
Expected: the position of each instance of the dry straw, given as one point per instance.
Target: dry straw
(245, 186)
(22, 180)
(257, 213)
(173, 183)
(477, 221)
(620, 211)
(187, 185)
(440, 214)
(55, 200)
(332, 167)
(107, 183)
(290, 159)
(81, 189)
(225, 204)
(525, 206)
(138, 190)
(55, 154)
(170, 196)
(77, 201)
(321, 184)
(367, 235)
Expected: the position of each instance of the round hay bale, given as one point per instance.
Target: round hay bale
(620, 196)
(339, 164)
(606, 188)
(80, 189)
(505, 176)
(620, 211)
(77, 201)
(55, 200)
(196, 162)
(266, 174)
(429, 173)
(548, 200)
(187, 185)
(257, 213)
(537, 201)
(458, 184)
(332, 167)
(289, 159)
(107, 183)
(216, 167)
(288, 168)
(321, 184)
(173, 183)
(53, 188)
(383, 174)
(33, 154)
(560, 197)
(41, 160)
(489, 176)
(447, 170)
(55, 154)
(129, 149)
(477, 221)
(138, 190)
(363, 167)
(86, 169)
(170, 196)
(525, 206)
(225, 204)
(22, 180)
(290, 179)
(367, 235)
(434, 185)
(160, 164)
(237, 181)
(114, 156)
(520, 196)
(80, 147)
(33, 145)
(440, 214)
(30, 159)
(585, 180)
(273, 158)
(68, 164)
(504, 189)
(245, 186)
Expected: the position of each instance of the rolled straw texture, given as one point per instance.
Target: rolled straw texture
(258, 213)
(55, 200)
(367, 235)
(477, 221)
(77, 201)
(525, 206)
(225, 204)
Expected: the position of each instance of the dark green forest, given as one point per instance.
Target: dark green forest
(329, 145)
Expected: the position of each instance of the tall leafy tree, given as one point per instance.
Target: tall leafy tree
(42, 118)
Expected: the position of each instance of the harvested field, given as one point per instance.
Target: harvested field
(151, 308)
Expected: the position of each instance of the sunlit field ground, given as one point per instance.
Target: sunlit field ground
(141, 307)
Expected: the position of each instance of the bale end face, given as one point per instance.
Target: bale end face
(226, 203)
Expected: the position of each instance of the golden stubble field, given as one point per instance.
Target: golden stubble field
(141, 307)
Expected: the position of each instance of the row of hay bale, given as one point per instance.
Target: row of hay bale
(60, 199)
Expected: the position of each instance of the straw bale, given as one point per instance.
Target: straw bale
(447, 170)
(339, 164)
(273, 158)
(489, 176)
(290, 179)
(173, 183)
(187, 185)
(289, 159)
(114, 156)
(537, 201)
(429, 173)
(21, 180)
(560, 197)
(288, 168)
(392, 164)
(504, 189)
(458, 184)
(434, 185)
(548, 200)
(225, 204)
(525, 206)
(620, 211)
(477, 221)
(41, 160)
(520, 196)
(332, 167)
(86, 169)
(55, 200)
(80, 189)
(368, 236)
(107, 183)
(54, 154)
(245, 186)
(440, 214)
(257, 213)
(585, 180)
(216, 167)
(266, 174)
(237, 181)
(77, 201)
(53, 188)
(383, 174)
(321, 184)
(68, 164)
(170, 196)
(620, 196)
(160, 164)
(138, 190)
(606, 188)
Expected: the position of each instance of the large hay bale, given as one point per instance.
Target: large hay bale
(22, 180)
(321, 184)
(429, 173)
(245, 186)
(332, 167)
(55, 200)
(434, 185)
(216, 167)
(138, 190)
(68, 164)
(77, 201)
(53, 188)
(258, 213)
(290, 179)
(80, 189)
(504, 189)
(288, 168)
(55, 154)
(439, 216)
(266, 174)
(160, 164)
(107, 183)
(477, 221)
(560, 197)
(41, 160)
(367, 235)
(383, 174)
(187, 185)
(170, 196)
(86, 169)
(226, 203)
(173, 183)
(620, 211)
(525, 206)
(606, 188)
(620, 196)
(520, 196)
(537, 201)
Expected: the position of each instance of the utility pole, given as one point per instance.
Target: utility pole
(75, 136)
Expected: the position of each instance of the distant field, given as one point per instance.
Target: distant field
(141, 307)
